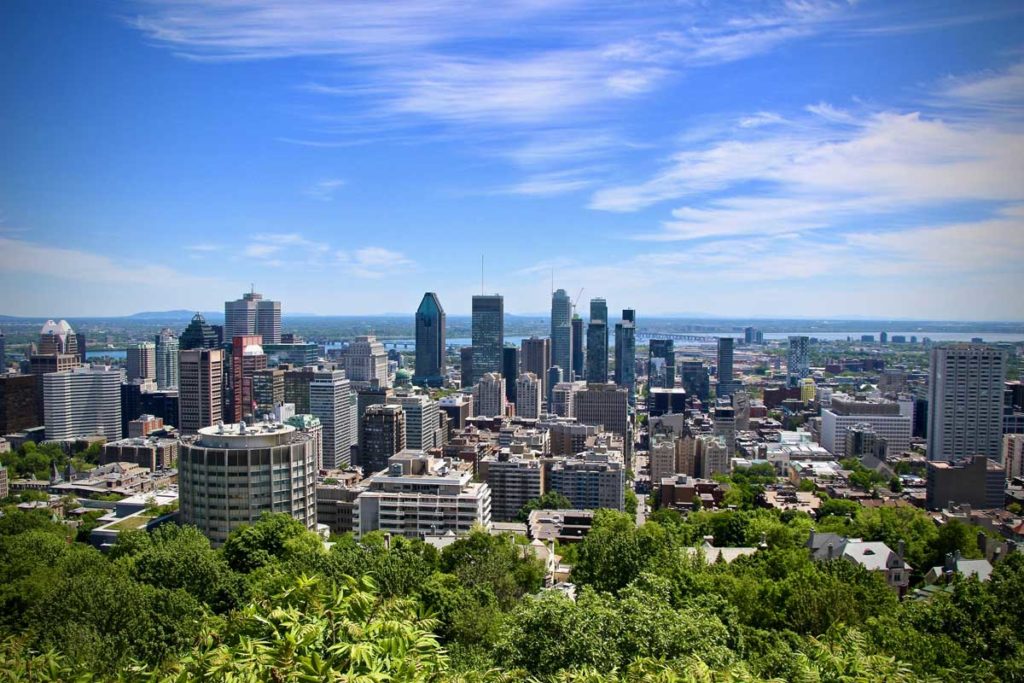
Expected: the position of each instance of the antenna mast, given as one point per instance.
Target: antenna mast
(481, 274)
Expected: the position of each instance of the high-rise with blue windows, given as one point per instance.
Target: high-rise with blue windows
(430, 342)
(488, 334)
(597, 342)
(561, 331)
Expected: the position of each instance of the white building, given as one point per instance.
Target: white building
(593, 479)
(366, 361)
(234, 473)
(713, 455)
(563, 398)
(332, 400)
(82, 402)
(890, 420)
(418, 495)
(965, 401)
(422, 424)
(140, 361)
(515, 476)
(1013, 455)
(662, 456)
(529, 396)
(166, 360)
(489, 395)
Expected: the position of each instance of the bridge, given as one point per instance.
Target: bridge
(682, 337)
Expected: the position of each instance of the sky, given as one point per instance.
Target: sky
(798, 158)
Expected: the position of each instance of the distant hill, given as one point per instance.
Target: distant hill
(178, 314)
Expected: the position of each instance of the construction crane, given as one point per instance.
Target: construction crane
(576, 300)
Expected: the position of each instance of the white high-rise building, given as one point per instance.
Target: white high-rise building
(166, 360)
(713, 455)
(422, 423)
(234, 473)
(419, 495)
(140, 361)
(83, 401)
(529, 396)
(366, 361)
(563, 398)
(332, 400)
(965, 401)
(489, 395)
(593, 479)
(889, 420)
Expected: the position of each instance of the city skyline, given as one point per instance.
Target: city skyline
(345, 156)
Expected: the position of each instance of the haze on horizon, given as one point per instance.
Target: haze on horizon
(816, 159)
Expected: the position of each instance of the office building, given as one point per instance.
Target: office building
(563, 397)
(336, 500)
(752, 335)
(515, 477)
(296, 387)
(253, 315)
(488, 334)
(162, 404)
(466, 367)
(661, 363)
(247, 358)
(458, 408)
(510, 371)
(371, 396)
(593, 479)
(890, 420)
(143, 425)
(1013, 455)
(965, 401)
(3, 353)
(267, 390)
(603, 404)
(366, 362)
(578, 357)
(20, 399)
(529, 396)
(430, 342)
(153, 453)
(382, 436)
(200, 388)
(132, 394)
(331, 400)
(597, 342)
(625, 352)
(695, 379)
(662, 401)
(662, 459)
(307, 424)
(727, 384)
(555, 377)
(83, 401)
(140, 361)
(418, 495)
(422, 424)
(232, 474)
(535, 357)
(489, 395)
(198, 335)
(561, 332)
(975, 481)
(798, 359)
(166, 351)
(57, 350)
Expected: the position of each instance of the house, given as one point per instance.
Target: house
(874, 556)
(713, 554)
(953, 565)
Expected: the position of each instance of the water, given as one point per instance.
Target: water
(97, 354)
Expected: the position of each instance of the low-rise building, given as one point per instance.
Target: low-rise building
(978, 481)
(563, 526)
(682, 491)
(336, 495)
(419, 495)
(874, 556)
(152, 452)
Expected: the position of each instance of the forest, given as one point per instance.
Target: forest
(276, 604)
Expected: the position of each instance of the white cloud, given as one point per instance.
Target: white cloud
(325, 189)
(548, 184)
(372, 262)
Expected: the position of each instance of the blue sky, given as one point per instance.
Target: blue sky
(796, 158)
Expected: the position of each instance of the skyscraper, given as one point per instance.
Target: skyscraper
(489, 395)
(383, 435)
(198, 335)
(247, 358)
(488, 333)
(140, 361)
(597, 342)
(422, 424)
(727, 383)
(555, 377)
(166, 360)
(625, 352)
(200, 390)
(561, 332)
(529, 395)
(535, 356)
(57, 350)
(466, 366)
(252, 314)
(81, 402)
(798, 360)
(661, 363)
(965, 401)
(366, 362)
(331, 400)
(578, 357)
(510, 371)
(694, 377)
(430, 342)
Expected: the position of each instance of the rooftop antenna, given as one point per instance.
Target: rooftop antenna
(481, 274)
(552, 280)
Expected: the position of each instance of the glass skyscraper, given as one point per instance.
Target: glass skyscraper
(597, 342)
(577, 348)
(625, 352)
(488, 334)
(561, 331)
(661, 365)
(430, 342)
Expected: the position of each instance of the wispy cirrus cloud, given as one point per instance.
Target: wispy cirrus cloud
(372, 262)
(324, 190)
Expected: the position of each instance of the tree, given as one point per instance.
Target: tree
(552, 500)
(250, 547)
(631, 502)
